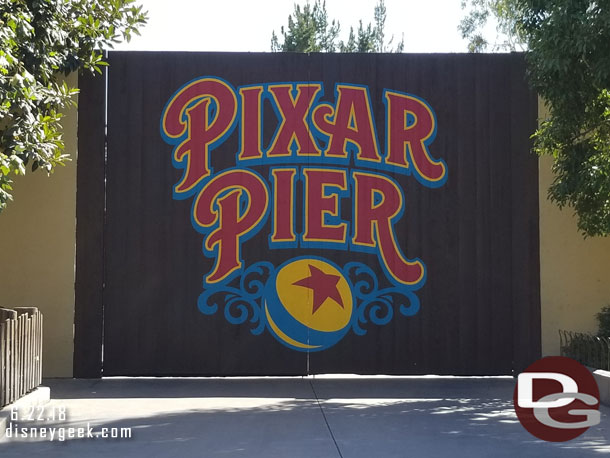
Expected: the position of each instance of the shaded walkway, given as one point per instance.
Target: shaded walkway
(347, 417)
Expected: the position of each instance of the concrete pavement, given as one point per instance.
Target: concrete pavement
(348, 417)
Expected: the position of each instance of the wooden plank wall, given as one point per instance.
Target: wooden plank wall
(477, 235)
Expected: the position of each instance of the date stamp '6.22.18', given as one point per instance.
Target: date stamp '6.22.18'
(39, 414)
(52, 423)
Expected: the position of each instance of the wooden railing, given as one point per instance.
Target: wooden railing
(20, 352)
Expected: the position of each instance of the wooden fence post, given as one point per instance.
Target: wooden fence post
(3, 351)
(20, 352)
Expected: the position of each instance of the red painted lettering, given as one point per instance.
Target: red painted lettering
(319, 204)
(353, 122)
(378, 201)
(293, 126)
(251, 128)
(283, 210)
(202, 131)
(215, 207)
(410, 124)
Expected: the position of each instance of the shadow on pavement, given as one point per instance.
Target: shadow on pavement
(293, 417)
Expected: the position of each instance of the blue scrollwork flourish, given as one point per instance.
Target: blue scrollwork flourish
(240, 304)
(375, 305)
(243, 299)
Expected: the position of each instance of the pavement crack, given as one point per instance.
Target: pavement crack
(332, 436)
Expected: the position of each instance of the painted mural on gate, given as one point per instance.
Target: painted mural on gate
(324, 155)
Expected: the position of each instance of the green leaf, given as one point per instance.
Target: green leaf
(40, 40)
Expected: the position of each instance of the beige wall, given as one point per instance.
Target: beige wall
(574, 272)
(37, 251)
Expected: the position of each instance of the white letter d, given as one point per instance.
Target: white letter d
(525, 388)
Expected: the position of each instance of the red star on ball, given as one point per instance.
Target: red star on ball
(323, 285)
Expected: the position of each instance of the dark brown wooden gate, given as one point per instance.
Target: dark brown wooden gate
(140, 264)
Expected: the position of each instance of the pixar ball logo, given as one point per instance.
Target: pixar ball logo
(308, 304)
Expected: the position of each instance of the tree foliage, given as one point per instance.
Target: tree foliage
(310, 30)
(479, 13)
(39, 41)
(568, 56)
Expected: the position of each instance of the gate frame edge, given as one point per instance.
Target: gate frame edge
(90, 213)
(527, 333)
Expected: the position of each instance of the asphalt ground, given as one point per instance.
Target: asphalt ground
(319, 417)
